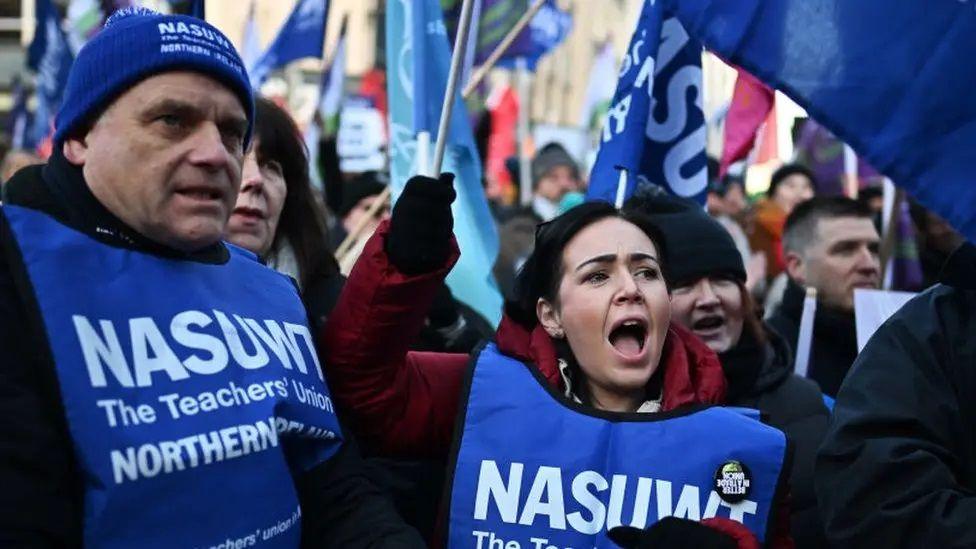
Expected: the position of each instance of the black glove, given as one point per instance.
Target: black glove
(421, 224)
(443, 311)
(671, 533)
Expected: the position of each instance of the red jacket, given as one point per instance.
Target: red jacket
(405, 404)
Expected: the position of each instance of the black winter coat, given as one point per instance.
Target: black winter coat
(761, 377)
(898, 465)
(834, 345)
(41, 502)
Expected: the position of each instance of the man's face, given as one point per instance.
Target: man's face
(166, 157)
(842, 257)
(556, 183)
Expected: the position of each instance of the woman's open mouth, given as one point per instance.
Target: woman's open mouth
(707, 326)
(629, 338)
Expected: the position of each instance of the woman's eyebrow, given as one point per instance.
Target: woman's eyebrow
(610, 258)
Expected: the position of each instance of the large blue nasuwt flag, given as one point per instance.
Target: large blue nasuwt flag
(471, 280)
(302, 35)
(49, 55)
(892, 78)
(655, 128)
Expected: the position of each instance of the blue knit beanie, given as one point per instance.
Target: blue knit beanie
(137, 43)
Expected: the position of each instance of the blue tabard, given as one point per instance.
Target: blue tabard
(534, 468)
(193, 392)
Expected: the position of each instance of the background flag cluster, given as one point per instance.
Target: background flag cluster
(899, 92)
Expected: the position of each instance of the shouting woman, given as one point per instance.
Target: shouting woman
(590, 410)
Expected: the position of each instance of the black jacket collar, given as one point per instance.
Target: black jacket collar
(59, 189)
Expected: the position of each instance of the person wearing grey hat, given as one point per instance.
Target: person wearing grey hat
(554, 175)
(709, 297)
(161, 388)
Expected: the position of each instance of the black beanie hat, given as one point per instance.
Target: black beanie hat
(362, 186)
(697, 245)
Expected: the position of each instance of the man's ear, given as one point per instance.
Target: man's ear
(75, 150)
(796, 267)
(549, 318)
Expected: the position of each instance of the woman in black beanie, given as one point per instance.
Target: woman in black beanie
(709, 297)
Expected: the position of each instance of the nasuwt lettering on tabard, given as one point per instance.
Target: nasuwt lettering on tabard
(213, 347)
(584, 509)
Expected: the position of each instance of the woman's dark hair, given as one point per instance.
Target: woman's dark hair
(751, 318)
(542, 271)
(302, 224)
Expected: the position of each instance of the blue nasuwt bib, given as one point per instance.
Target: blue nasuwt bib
(535, 469)
(193, 393)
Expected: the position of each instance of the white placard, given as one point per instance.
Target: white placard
(872, 308)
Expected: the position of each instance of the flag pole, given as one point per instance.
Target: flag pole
(851, 176)
(457, 59)
(618, 201)
(357, 231)
(522, 131)
(501, 48)
(888, 240)
(423, 154)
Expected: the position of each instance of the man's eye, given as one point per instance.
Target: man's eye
(169, 120)
(234, 138)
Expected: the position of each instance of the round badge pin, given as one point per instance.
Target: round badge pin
(733, 481)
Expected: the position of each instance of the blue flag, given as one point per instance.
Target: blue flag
(50, 56)
(302, 35)
(19, 119)
(471, 280)
(888, 77)
(547, 29)
(654, 134)
(327, 108)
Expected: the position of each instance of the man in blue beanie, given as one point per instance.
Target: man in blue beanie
(159, 388)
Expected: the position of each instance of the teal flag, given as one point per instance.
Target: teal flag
(471, 281)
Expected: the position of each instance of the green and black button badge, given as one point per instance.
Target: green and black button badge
(733, 481)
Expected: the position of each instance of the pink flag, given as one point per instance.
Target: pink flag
(752, 102)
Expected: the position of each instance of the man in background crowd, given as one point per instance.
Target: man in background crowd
(830, 245)
(554, 174)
